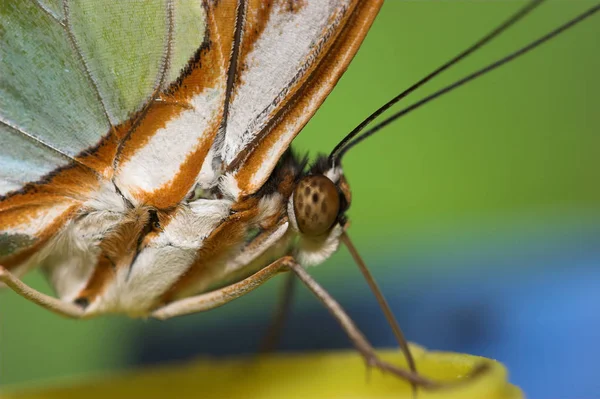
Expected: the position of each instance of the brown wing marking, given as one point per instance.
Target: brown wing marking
(233, 69)
(251, 20)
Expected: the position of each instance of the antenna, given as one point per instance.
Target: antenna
(543, 39)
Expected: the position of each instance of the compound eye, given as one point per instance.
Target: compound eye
(316, 205)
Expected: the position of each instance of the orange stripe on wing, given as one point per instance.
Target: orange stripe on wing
(172, 193)
(29, 210)
(41, 237)
(206, 70)
(32, 206)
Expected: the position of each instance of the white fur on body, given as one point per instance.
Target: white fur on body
(69, 258)
(163, 260)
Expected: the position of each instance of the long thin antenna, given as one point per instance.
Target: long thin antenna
(468, 78)
(334, 157)
(382, 302)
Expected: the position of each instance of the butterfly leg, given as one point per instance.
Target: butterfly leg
(52, 304)
(357, 338)
(213, 299)
(275, 329)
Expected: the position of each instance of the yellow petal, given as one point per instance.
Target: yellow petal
(315, 375)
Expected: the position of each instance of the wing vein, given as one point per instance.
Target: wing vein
(160, 81)
(310, 60)
(236, 48)
(166, 59)
(39, 141)
(69, 31)
(49, 13)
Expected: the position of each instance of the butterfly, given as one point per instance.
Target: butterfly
(145, 151)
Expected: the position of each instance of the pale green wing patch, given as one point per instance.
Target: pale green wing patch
(189, 33)
(23, 160)
(68, 71)
(64, 81)
(132, 48)
(125, 46)
(43, 89)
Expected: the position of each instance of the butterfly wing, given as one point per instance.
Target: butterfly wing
(71, 76)
(48, 115)
(301, 55)
(143, 101)
(263, 71)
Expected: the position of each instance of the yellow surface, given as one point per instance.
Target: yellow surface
(317, 375)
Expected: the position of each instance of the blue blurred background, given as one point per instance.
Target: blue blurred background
(479, 215)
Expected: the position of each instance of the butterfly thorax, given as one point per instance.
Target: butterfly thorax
(119, 255)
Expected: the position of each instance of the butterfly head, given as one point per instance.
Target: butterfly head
(319, 200)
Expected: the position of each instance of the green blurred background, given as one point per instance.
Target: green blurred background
(507, 165)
